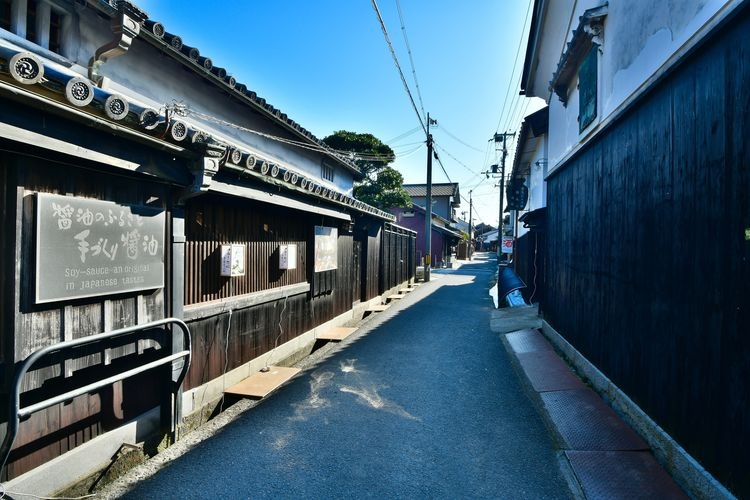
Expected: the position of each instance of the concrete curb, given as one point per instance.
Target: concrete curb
(601, 456)
(685, 470)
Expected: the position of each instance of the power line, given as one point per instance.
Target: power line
(344, 155)
(411, 60)
(515, 64)
(402, 136)
(398, 66)
(455, 159)
(440, 162)
(442, 127)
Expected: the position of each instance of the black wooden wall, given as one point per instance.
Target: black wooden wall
(528, 258)
(648, 255)
(398, 254)
(28, 327)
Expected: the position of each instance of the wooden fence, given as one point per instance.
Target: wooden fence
(398, 257)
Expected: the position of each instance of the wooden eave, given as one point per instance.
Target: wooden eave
(585, 36)
(248, 98)
(51, 87)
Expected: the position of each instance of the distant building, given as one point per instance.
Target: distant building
(446, 198)
(444, 237)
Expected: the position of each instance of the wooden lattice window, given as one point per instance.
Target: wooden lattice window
(326, 172)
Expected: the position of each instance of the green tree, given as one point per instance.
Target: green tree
(382, 186)
(369, 153)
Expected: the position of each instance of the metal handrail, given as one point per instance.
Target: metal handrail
(15, 412)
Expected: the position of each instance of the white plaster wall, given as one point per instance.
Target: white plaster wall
(151, 78)
(535, 182)
(640, 36)
(554, 31)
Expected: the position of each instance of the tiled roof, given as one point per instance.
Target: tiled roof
(29, 71)
(172, 44)
(447, 189)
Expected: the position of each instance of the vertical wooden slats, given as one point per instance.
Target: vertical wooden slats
(60, 428)
(648, 257)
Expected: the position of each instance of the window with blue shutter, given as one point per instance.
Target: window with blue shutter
(587, 84)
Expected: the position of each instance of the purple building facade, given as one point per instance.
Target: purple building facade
(443, 238)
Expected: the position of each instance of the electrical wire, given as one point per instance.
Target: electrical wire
(411, 60)
(536, 242)
(440, 162)
(226, 358)
(401, 136)
(344, 155)
(442, 127)
(278, 337)
(455, 159)
(515, 64)
(398, 66)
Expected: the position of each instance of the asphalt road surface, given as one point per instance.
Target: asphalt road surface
(421, 403)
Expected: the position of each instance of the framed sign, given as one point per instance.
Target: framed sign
(326, 248)
(88, 248)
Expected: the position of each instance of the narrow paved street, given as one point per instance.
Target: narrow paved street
(421, 403)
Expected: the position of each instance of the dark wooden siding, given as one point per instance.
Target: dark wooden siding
(370, 238)
(227, 340)
(212, 221)
(28, 327)
(398, 257)
(528, 260)
(648, 254)
(230, 339)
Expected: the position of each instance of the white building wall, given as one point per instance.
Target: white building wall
(639, 37)
(536, 183)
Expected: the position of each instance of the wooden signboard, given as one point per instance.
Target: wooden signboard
(326, 248)
(87, 248)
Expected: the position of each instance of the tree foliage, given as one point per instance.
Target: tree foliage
(386, 191)
(382, 185)
(370, 154)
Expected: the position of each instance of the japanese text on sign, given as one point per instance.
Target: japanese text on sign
(90, 247)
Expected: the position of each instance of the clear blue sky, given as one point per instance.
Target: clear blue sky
(327, 65)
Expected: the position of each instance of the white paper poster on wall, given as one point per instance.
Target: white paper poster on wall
(287, 256)
(326, 248)
(232, 260)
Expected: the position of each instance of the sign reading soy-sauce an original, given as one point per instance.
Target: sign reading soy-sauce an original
(87, 248)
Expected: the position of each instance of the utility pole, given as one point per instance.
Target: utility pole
(428, 205)
(504, 137)
(471, 228)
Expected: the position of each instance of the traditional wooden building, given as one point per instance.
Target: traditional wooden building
(527, 201)
(648, 218)
(146, 192)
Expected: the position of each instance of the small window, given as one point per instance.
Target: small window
(55, 31)
(31, 21)
(587, 89)
(326, 172)
(5, 6)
